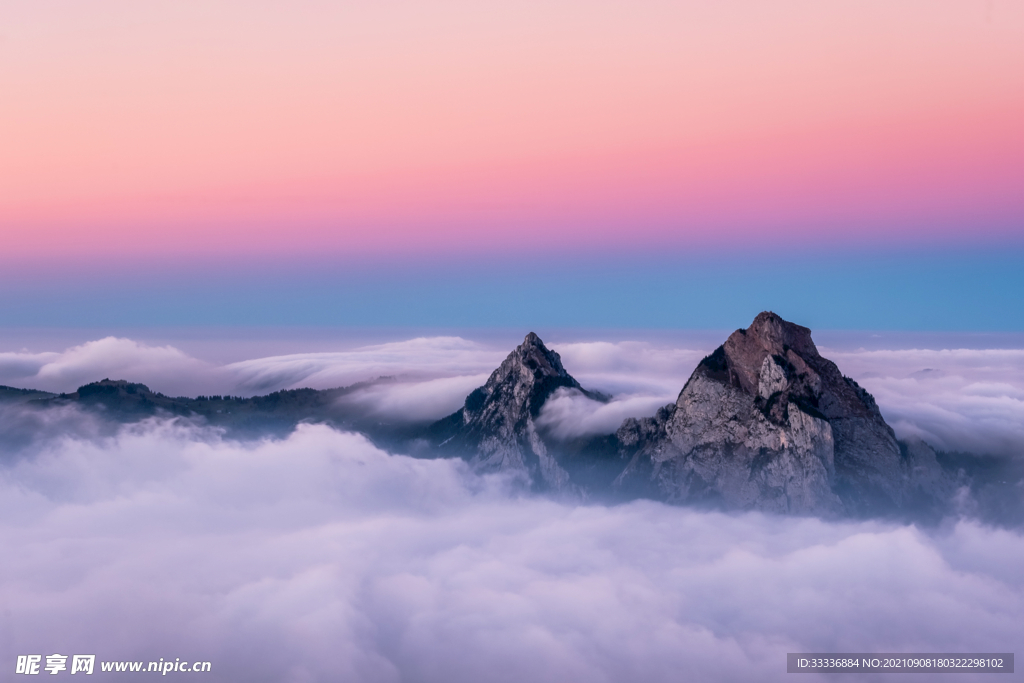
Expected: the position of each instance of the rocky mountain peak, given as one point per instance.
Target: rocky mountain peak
(775, 334)
(529, 364)
(769, 346)
(519, 386)
(495, 428)
(765, 421)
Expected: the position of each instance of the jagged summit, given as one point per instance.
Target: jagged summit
(495, 428)
(743, 353)
(773, 333)
(522, 382)
(531, 372)
(776, 362)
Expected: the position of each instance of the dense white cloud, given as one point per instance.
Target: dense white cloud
(15, 366)
(410, 401)
(630, 367)
(956, 399)
(172, 371)
(568, 413)
(431, 377)
(321, 558)
(23, 429)
(639, 376)
(422, 357)
(165, 368)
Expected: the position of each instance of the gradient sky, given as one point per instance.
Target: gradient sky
(428, 149)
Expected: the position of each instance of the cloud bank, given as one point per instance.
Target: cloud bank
(431, 376)
(568, 413)
(165, 367)
(422, 357)
(320, 558)
(956, 399)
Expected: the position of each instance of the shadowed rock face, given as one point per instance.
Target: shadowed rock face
(495, 429)
(766, 423)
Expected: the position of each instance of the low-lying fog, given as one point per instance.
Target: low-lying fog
(321, 558)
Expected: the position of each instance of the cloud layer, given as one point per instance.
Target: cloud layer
(431, 376)
(956, 399)
(421, 357)
(321, 558)
(568, 413)
(165, 368)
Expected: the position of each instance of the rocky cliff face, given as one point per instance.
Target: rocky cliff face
(766, 423)
(495, 429)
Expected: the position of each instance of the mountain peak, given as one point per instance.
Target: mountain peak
(529, 363)
(775, 335)
(740, 360)
(766, 421)
(113, 387)
(495, 428)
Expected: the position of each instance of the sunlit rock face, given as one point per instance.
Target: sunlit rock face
(495, 429)
(765, 422)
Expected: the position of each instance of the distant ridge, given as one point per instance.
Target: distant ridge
(276, 413)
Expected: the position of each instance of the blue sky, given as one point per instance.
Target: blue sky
(948, 290)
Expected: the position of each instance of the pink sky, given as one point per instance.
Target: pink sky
(212, 127)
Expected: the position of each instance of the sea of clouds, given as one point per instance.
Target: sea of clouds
(956, 399)
(321, 558)
(318, 557)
